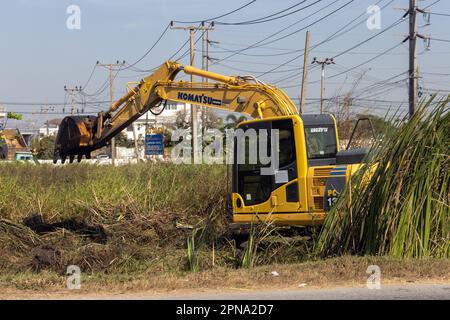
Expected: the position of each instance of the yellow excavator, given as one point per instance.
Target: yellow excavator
(311, 170)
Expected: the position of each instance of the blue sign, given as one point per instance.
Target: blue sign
(154, 144)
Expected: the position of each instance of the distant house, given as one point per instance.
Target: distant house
(13, 145)
(3, 115)
(166, 118)
(50, 128)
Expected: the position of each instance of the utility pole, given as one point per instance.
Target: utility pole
(194, 121)
(305, 74)
(412, 58)
(72, 92)
(413, 73)
(323, 62)
(110, 67)
(45, 110)
(204, 67)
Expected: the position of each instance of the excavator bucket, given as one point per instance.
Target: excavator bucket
(75, 138)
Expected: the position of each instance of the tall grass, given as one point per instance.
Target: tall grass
(107, 192)
(266, 243)
(128, 219)
(103, 217)
(400, 200)
(192, 254)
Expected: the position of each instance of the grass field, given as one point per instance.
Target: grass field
(105, 218)
(122, 225)
(126, 219)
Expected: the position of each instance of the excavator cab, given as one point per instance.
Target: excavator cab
(274, 180)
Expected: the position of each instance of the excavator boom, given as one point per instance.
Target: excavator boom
(80, 135)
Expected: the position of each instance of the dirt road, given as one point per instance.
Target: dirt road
(437, 291)
(390, 292)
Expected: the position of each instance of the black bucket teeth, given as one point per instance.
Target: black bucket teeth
(75, 138)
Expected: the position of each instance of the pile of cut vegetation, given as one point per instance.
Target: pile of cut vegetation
(403, 208)
(103, 218)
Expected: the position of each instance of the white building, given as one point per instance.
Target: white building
(3, 115)
(166, 118)
(50, 128)
(2, 112)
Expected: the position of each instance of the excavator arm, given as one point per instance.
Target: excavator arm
(79, 135)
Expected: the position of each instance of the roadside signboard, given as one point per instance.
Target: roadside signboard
(154, 144)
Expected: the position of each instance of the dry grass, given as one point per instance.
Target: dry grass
(122, 220)
(342, 271)
(105, 219)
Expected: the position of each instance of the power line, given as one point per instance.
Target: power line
(311, 24)
(341, 53)
(440, 14)
(90, 76)
(149, 50)
(436, 73)
(332, 37)
(440, 40)
(251, 71)
(335, 35)
(105, 84)
(264, 19)
(261, 42)
(366, 61)
(351, 68)
(218, 17)
(370, 38)
(430, 5)
(15, 103)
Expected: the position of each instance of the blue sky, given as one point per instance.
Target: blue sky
(39, 55)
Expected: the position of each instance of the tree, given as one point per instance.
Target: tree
(212, 121)
(13, 115)
(123, 141)
(181, 120)
(233, 121)
(43, 148)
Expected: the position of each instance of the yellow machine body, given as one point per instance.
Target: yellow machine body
(299, 192)
(306, 197)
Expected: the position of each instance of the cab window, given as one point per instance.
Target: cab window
(320, 142)
(253, 186)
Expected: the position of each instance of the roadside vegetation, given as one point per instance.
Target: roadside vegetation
(403, 210)
(170, 221)
(104, 218)
(126, 219)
